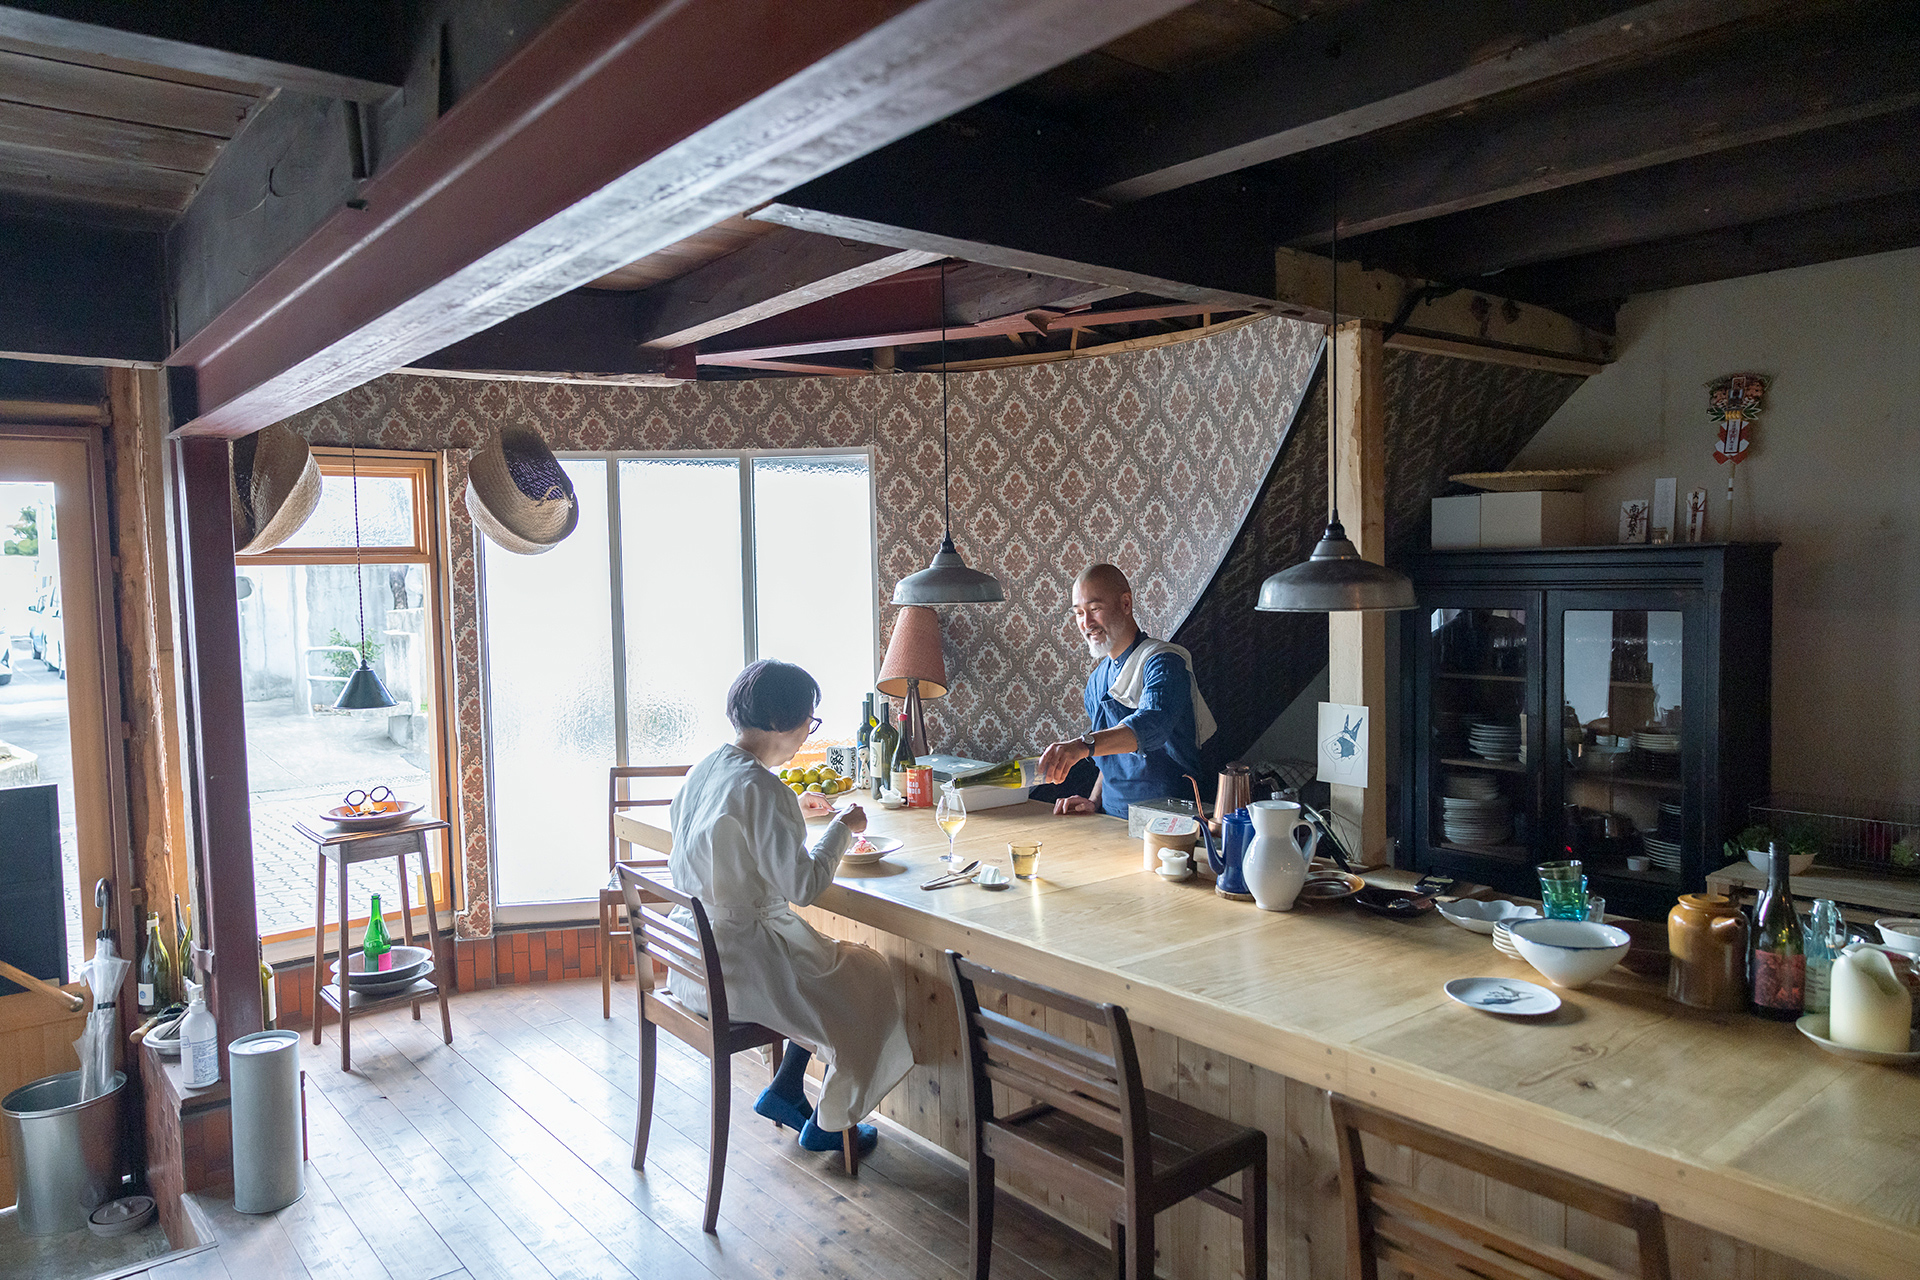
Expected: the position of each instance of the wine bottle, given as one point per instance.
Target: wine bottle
(863, 740)
(1778, 972)
(886, 739)
(374, 944)
(182, 950)
(155, 968)
(903, 761)
(1022, 772)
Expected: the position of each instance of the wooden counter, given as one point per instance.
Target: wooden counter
(1752, 1140)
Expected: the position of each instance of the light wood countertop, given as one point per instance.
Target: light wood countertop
(1728, 1121)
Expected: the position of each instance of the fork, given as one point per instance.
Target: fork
(952, 878)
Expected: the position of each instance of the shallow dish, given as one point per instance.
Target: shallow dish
(1476, 916)
(993, 878)
(1901, 935)
(1814, 1026)
(1571, 953)
(1796, 862)
(1401, 904)
(1330, 886)
(1508, 996)
(389, 987)
(879, 848)
(407, 962)
(392, 814)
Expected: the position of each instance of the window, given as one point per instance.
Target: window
(617, 646)
(300, 618)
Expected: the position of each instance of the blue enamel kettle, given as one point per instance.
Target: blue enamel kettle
(1229, 862)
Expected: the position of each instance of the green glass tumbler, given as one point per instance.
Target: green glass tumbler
(1563, 890)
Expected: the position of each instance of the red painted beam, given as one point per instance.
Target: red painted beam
(619, 129)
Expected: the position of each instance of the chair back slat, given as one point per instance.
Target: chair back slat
(1389, 1221)
(616, 835)
(1074, 1104)
(1060, 1001)
(1096, 1064)
(1010, 1054)
(657, 937)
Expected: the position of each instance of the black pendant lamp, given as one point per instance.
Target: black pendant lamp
(364, 691)
(947, 580)
(1335, 579)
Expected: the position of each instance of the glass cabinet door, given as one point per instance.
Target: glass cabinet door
(1621, 741)
(1481, 788)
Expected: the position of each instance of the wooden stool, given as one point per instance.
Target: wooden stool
(1394, 1228)
(1094, 1131)
(344, 848)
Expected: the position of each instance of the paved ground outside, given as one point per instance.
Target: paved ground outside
(297, 766)
(33, 717)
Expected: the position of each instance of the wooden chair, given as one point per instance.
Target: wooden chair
(1094, 1132)
(694, 955)
(1396, 1228)
(625, 830)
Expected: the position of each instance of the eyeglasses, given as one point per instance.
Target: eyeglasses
(813, 726)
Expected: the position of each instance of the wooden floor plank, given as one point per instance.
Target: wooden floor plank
(250, 1245)
(203, 1265)
(397, 1235)
(329, 1242)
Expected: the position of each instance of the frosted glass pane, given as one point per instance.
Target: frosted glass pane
(386, 514)
(680, 565)
(549, 635)
(813, 574)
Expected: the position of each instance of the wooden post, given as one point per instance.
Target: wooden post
(217, 752)
(1357, 642)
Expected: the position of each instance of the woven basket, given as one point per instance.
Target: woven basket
(276, 486)
(518, 495)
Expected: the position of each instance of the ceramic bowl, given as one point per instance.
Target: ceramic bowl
(1796, 862)
(1570, 953)
(1480, 917)
(1901, 935)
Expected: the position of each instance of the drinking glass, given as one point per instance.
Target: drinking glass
(1596, 908)
(951, 815)
(1563, 890)
(1025, 859)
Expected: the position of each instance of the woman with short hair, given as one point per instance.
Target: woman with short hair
(739, 846)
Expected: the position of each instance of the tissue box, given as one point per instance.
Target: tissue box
(1456, 522)
(1536, 519)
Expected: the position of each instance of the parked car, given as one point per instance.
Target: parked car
(46, 633)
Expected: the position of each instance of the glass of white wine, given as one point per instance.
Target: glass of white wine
(950, 814)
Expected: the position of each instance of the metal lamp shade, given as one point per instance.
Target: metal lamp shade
(363, 692)
(914, 654)
(948, 581)
(1335, 580)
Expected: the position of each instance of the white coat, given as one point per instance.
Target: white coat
(739, 846)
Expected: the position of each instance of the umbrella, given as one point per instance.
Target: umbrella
(103, 975)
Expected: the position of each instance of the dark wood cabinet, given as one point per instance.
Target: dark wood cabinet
(1603, 703)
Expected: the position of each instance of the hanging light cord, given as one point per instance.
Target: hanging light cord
(946, 464)
(359, 586)
(1333, 372)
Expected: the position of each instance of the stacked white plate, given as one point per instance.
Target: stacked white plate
(1664, 743)
(1476, 822)
(1665, 853)
(1493, 741)
(1503, 941)
(1472, 786)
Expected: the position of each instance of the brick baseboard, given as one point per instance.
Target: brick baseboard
(510, 956)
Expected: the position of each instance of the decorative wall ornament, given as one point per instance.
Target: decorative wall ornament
(1733, 402)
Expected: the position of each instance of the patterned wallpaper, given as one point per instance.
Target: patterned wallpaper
(1149, 459)
(1444, 416)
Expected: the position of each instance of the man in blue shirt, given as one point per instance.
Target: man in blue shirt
(1147, 714)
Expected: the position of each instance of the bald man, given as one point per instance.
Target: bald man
(1147, 714)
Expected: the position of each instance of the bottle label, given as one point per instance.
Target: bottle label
(203, 1067)
(1819, 985)
(146, 995)
(1779, 981)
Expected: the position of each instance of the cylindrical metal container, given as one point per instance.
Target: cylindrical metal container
(264, 1082)
(66, 1153)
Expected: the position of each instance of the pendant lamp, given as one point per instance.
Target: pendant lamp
(947, 580)
(1335, 579)
(364, 690)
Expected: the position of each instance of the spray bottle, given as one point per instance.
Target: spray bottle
(199, 1045)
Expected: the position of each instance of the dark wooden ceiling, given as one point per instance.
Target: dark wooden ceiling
(1502, 174)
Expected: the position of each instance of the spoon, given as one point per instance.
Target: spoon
(954, 877)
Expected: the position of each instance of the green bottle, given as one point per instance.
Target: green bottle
(886, 739)
(156, 969)
(863, 739)
(375, 946)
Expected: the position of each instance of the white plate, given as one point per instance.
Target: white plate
(1814, 1027)
(882, 846)
(1477, 916)
(1508, 996)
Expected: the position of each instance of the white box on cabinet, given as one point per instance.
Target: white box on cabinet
(1456, 522)
(1534, 519)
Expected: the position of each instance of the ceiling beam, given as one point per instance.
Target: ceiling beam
(1369, 67)
(79, 293)
(589, 333)
(1765, 180)
(1818, 70)
(521, 192)
(355, 51)
(775, 274)
(1878, 225)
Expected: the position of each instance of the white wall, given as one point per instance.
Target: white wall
(1833, 476)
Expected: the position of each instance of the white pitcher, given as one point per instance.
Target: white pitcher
(1276, 864)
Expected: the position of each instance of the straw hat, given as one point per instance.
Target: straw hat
(517, 493)
(276, 486)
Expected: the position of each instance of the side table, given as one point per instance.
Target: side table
(344, 848)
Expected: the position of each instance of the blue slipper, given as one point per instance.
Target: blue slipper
(814, 1138)
(783, 1110)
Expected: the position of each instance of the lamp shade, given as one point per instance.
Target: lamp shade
(914, 654)
(1335, 580)
(363, 692)
(948, 581)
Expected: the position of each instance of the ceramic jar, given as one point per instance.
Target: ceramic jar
(1276, 864)
(1707, 937)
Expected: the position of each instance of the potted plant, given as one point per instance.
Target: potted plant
(1802, 842)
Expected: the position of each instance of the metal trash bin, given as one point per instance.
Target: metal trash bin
(66, 1153)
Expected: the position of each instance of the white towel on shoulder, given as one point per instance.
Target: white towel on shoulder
(1131, 681)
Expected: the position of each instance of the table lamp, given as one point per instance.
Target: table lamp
(914, 669)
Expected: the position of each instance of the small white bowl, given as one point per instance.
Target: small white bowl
(1796, 862)
(1639, 862)
(1570, 953)
(1477, 916)
(1901, 935)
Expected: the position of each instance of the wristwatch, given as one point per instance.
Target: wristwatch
(1086, 740)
